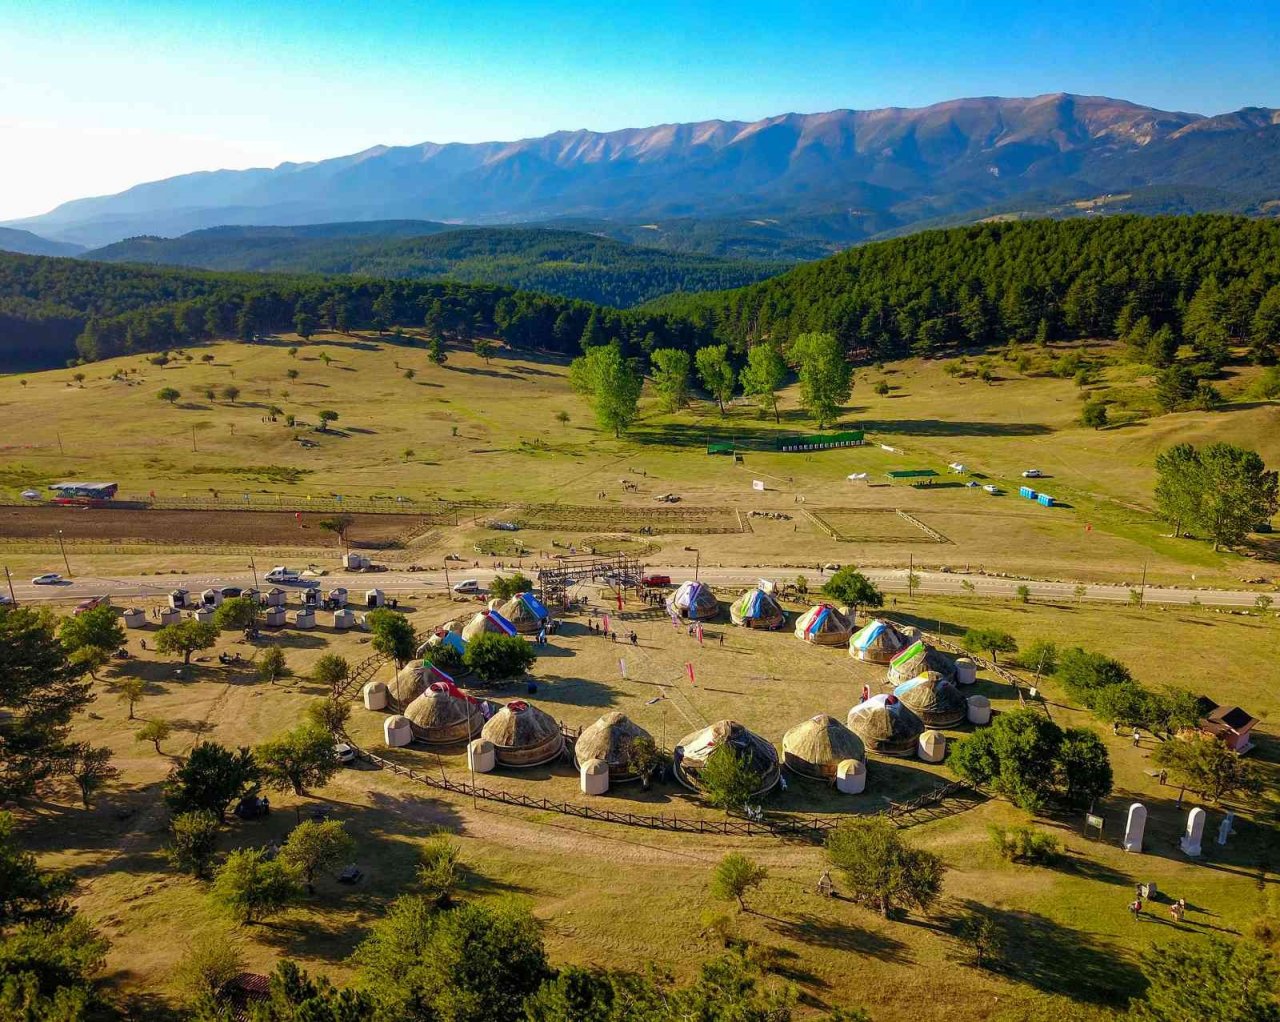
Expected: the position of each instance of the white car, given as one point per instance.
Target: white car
(1032, 473)
(344, 753)
(467, 585)
(49, 578)
(992, 489)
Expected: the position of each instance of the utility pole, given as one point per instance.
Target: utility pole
(447, 584)
(1142, 590)
(193, 439)
(65, 563)
(9, 580)
(697, 564)
(60, 451)
(254, 568)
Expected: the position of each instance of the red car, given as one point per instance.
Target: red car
(92, 603)
(656, 580)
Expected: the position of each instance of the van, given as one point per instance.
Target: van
(467, 585)
(282, 574)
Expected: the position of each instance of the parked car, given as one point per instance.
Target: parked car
(92, 603)
(4, 598)
(230, 592)
(655, 580)
(49, 578)
(467, 585)
(344, 752)
(1032, 473)
(284, 575)
(992, 489)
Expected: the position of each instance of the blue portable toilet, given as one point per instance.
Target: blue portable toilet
(1027, 491)
(1045, 499)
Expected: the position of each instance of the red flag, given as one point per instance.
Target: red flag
(606, 624)
(1088, 526)
(689, 670)
(699, 633)
(619, 602)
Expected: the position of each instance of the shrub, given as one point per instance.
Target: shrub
(494, 657)
(1026, 844)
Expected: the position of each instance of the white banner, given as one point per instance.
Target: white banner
(757, 484)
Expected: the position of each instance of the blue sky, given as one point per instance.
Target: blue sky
(96, 96)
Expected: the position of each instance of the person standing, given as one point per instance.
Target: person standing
(1136, 908)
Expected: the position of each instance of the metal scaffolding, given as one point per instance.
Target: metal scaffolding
(620, 572)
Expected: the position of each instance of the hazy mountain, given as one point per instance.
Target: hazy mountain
(26, 243)
(878, 170)
(558, 262)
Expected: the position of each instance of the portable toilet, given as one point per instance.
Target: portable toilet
(274, 618)
(1027, 491)
(170, 616)
(978, 710)
(595, 777)
(966, 671)
(305, 617)
(481, 756)
(338, 597)
(276, 598)
(375, 695)
(211, 597)
(311, 597)
(375, 598)
(344, 618)
(397, 732)
(177, 599)
(135, 617)
(1045, 499)
(205, 613)
(851, 777)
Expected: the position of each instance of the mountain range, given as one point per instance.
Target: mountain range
(836, 177)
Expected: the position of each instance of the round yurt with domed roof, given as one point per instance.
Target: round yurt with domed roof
(409, 683)
(693, 751)
(757, 609)
(824, 625)
(816, 747)
(526, 612)
(610, 740)
(886, 726)
(877, 642)
(487, 621)
(693, 600)
(918, 658)
(445, 715)
(933, 699)
(523, 735)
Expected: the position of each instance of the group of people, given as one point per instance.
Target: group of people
(597, 628)
(1177, 910)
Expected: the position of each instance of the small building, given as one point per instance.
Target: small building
(1229, 724)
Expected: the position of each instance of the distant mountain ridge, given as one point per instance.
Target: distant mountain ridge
(26, 243)
(880, 170)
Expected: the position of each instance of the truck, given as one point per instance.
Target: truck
(281, 574)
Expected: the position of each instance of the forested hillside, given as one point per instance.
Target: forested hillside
(1212, 280)
(565, 263)
(56, 310)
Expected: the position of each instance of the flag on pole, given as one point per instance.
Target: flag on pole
(606, 624)
(699, 633)
(619, 601)
(622, 666)
(689, 671)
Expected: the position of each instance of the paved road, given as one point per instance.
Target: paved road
(893, 581)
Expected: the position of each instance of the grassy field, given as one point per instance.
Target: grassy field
(492, 431)
(615, 896)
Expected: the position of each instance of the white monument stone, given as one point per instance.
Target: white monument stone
(1134, 826)
(1190, 842)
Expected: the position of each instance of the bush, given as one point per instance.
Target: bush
(504, 587)
(445, 657)
(439, 871)
(1084, 674)
(494, 657)
(1026, 844)
(195, 838)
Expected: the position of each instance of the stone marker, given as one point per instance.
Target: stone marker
(1134, 826)
(1190, 842)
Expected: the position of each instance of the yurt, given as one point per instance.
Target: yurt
(757, 609)
(877, 642)
(694, 750)
(886, 726)
(444, 714)
(824, 625)
(693, 600)
(410, 683)
(918, 658)
(816, 747)
(525, 612)
(609, 739)
(933, 699)
(487, 621)
(523, 735)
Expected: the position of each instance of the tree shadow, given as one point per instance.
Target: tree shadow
(807, 928)
(576, 692)
(948, 427)
(1056, 959)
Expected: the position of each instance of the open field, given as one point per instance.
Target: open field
(489, 433)
(613, 895)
